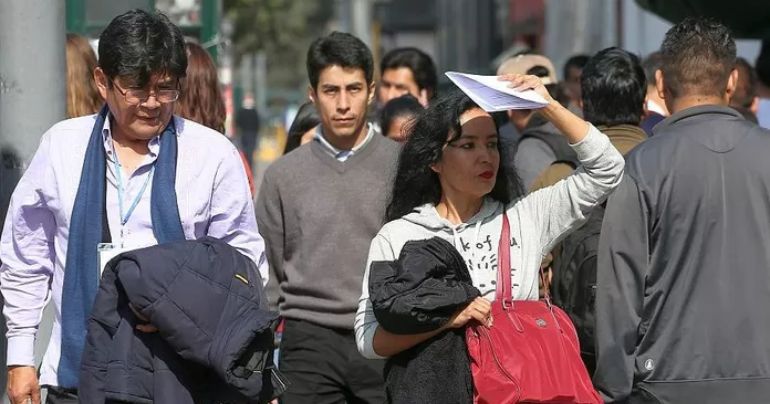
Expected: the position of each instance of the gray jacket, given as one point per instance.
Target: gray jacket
(683, 298)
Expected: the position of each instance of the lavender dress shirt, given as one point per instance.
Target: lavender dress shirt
(213, 196)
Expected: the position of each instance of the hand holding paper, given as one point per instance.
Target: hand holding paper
(492, 94)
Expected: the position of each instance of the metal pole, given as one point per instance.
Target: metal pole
(362, 21)
(32, 96)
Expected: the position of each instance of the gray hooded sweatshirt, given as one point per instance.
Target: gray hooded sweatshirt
(538, 221)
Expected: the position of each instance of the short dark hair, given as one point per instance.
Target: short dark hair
(578, 61)
(405, 105)
(746, 88)
(613, 88)
(338, 49)
(651, 64)
(556, 90)
(421, 65)
(698, 56)
(137, 44)
(416, 183)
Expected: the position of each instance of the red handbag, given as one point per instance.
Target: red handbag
(531, 353)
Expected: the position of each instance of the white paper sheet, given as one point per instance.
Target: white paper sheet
(493, 95)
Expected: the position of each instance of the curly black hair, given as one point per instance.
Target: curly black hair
(415, 183)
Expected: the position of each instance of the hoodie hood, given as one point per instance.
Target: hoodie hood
(427, 216)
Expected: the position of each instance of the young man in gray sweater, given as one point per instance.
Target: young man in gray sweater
(318, 209)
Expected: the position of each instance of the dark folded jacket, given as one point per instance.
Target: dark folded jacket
(214, 339)
(419, 293)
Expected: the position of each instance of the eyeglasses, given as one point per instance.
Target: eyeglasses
(136, 96)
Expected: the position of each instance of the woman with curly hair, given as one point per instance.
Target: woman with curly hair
(455, 181)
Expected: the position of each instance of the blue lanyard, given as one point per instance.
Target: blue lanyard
(119, 176)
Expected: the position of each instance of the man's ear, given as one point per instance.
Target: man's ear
(372, 88)
(101, 82)
(754, 105)
(423, 98)
(660, 85)
(732, 84)
(311, 94)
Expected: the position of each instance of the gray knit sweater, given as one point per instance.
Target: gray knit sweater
(318, 217)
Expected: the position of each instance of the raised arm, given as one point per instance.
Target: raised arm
(562, 207)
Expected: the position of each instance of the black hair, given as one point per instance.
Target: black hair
(306, 119)
(613, 88)
(405, 105)
(539, 71)
(578, 61)
(415, 182)
(338, 49)
(650, 65)
(698, 56)
(557, 90)
(421, 65)
(137, 44)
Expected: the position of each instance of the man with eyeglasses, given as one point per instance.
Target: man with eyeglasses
(132, 176)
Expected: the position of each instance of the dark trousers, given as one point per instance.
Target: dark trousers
(58, 395)
(324, 366)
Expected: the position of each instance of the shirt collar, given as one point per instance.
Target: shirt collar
(337, 153)
(653, 106)
(154, 144)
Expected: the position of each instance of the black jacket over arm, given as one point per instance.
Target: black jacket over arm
(214, 340)
(419, 293)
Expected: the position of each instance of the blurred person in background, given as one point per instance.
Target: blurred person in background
(247, 123)
(762, 68)
(201, 100)
(318, 213)
(82, 95)
(613, 88)
(396, 116)
(655, 107)
(745, 99)
(540, 143)
(573, 68)
(303, 127)
(407, 71)
(683, 280)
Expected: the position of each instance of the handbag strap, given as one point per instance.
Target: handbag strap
(504, 265)
(504, 288)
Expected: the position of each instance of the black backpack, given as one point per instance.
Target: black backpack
(573, 285)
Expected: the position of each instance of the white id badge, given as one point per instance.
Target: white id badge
(106, 252)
